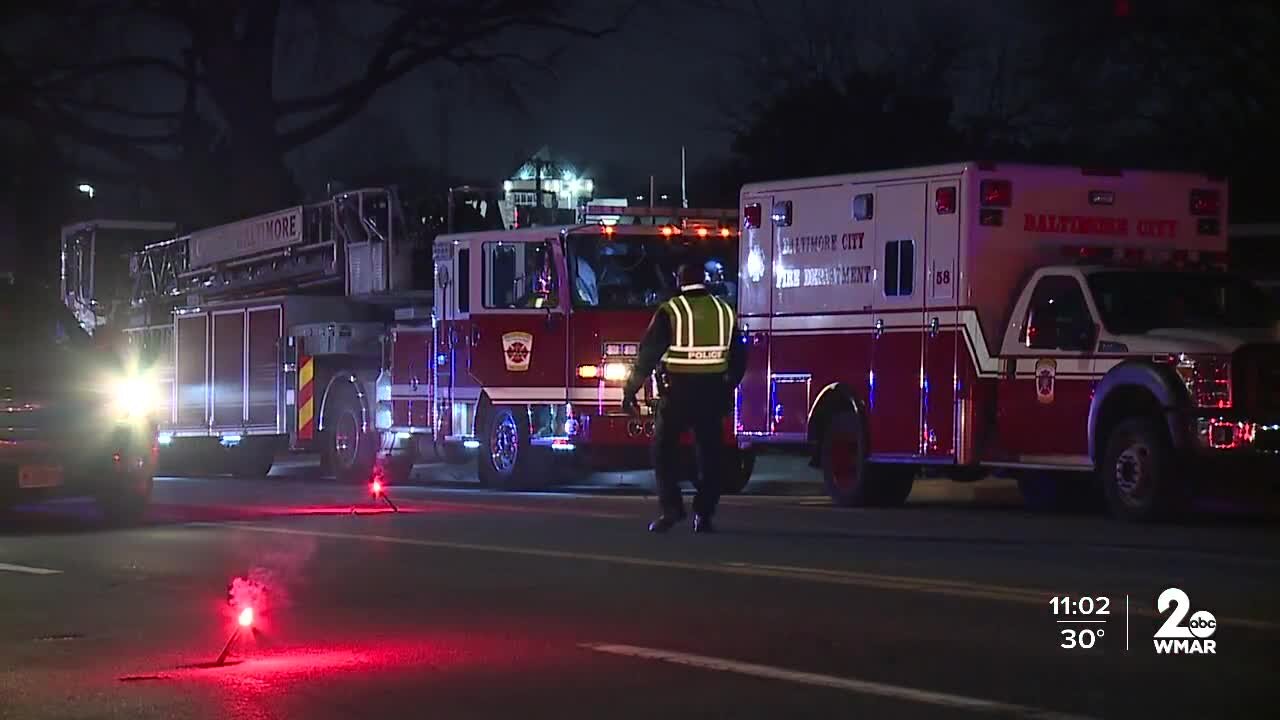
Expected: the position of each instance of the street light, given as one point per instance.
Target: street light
(86, 188)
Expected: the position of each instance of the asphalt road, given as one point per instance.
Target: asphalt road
(469, 604)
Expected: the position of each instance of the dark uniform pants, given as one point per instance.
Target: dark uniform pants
(697, 403)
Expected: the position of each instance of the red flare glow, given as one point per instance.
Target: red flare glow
(246, 617)
(376, 487)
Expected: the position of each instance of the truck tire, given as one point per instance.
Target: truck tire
(351, 449)
(1139, 476)
(739, 465)
(504, 459)
(127, 505)
(849, 479)
(843, 457)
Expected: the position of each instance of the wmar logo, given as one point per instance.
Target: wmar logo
(1174, 638)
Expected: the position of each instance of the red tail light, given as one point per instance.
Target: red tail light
(1204, 202)
(751, 215)
(944, 200)
(997, 193)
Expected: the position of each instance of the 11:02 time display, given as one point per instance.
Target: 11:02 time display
(1066, 605)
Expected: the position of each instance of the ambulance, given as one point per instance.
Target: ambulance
(534, 334)
(1069, 327)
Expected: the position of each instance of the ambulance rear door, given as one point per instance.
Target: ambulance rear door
(755, 308)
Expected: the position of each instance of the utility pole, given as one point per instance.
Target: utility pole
(684, 185)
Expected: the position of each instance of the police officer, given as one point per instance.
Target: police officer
(692, 335)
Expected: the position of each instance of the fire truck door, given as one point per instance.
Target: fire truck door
(519, 334)
(452, 345)
(755, 308)
(897, 347)
(942, 334)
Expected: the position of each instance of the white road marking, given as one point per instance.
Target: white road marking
(853, 685)
(935, 586)
(28, 570)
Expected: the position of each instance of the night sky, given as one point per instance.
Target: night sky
(628, 100)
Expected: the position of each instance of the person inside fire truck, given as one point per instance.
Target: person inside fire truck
(703, 359)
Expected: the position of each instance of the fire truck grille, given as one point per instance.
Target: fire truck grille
(1256, 377)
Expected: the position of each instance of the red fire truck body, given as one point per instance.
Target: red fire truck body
(977, 318)
(537, 330)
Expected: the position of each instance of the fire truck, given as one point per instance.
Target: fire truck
(1068, 327)
(537, 330)
(276, 332)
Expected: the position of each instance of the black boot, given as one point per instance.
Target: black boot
(702, 523)
(666, 521)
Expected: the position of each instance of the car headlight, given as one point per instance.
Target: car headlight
(135, 397)
(1208, 379)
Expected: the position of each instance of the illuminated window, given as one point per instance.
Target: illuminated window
(518, 275)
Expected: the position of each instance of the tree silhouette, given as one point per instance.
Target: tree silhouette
(210, 97)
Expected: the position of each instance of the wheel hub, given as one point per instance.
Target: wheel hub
(1133, 474)
(345, 440)
(504, 444)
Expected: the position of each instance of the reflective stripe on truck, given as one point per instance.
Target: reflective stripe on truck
(306, 397)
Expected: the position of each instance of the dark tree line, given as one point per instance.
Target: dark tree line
(206, 100)
(1181, 84)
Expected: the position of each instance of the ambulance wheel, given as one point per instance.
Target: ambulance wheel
(351, 450)
(741, 463)
(849, 479)
(1140, 479)
(844, 460)
(504, 455)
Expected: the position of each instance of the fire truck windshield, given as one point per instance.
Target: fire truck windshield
(628, 271)
(1142, 301)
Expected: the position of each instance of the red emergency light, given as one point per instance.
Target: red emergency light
(702, 232)
(376, 487)
(944, 200)
(996, 193)
(246, 617)
(1204, 202)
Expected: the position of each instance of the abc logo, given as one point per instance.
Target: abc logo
(1202, 624)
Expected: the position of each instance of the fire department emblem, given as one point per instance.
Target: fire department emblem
(1046, 371)
(517, 349)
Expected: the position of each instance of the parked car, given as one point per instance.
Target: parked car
(77, 418)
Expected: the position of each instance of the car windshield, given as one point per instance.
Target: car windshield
(32, 320)
(624, 271)
(1139, 302)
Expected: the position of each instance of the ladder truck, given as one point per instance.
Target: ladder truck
(273, 333)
